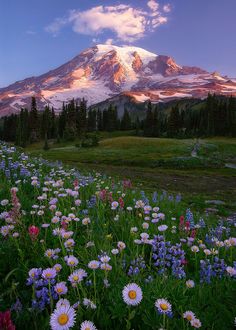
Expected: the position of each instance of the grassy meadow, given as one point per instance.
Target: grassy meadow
(92, 252)
(158, 164)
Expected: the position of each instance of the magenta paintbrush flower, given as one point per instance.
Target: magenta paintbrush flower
(33, 232)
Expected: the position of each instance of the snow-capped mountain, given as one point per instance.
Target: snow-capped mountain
(103, 71)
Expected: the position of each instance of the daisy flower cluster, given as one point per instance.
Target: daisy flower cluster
(90, 252)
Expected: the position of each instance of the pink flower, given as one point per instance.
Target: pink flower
(14, 213)
(184, 262)
(6, 322)
(127, 184)
(181, 222)
(193, 233)
(76, 183)
(64, 224)
(187, 225)
(121, 202)
(103, 194)
(110, 197)
(33, 232)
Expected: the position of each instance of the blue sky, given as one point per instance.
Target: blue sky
(37, 36)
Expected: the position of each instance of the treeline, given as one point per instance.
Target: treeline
(216, 116)
(74, 120)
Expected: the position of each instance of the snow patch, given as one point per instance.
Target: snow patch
(125, 53)
(141, 98)
(17, 104)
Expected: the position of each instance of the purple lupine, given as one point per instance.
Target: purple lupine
(168, 257)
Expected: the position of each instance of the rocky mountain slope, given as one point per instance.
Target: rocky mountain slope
(104, 71)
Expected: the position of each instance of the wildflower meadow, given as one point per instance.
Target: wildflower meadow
(89, 252)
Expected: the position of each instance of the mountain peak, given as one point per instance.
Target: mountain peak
(103, 71)
(124, 48)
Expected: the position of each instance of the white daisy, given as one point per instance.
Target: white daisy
(89, 303)
(114, 251)
(93, 264)
(133, 229)
(121, 245)
(145, 225)
(190, 284)
(63, 302)
(87, 325)
(77, 276)
(231, 271)
(162, 227)
(63, 318)
(196, 323)
(132, 294)
(71, 261)
(49, 273)
(61, 288)
(195, 249)
(105, 266)
(189, 315)
(57, 267)
(105, 258)
(163, 306)
(86, 221)
(207, 252)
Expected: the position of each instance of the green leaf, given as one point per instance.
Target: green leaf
(10, 273)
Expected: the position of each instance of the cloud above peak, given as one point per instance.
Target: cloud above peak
(126, 23)
(153, 5)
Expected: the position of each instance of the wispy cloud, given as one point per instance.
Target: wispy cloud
(167, 8)
(30, 32)
(153, 5)
(126, 22)
(55, 27)
(109, 41)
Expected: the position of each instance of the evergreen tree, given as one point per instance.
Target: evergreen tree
(99, 120)
(112, 118)
(34, 121)
(210, 108)
(231, 117)
(137, 126)
(148, 122)
(125, 121)
(105, 120)
(155, 124)
(53, 125)
(70, 132)
(82, 118)
(92, 120)
(22, 130)
(9, 128)
(173, 128)
(46, 126)
(62, 121)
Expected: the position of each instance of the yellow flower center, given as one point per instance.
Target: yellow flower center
(75, 278)
(59, 290)
(48, 274)
(189, 317)
(164, 306)
(87, 329)
(63, 319)
(132, 294)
